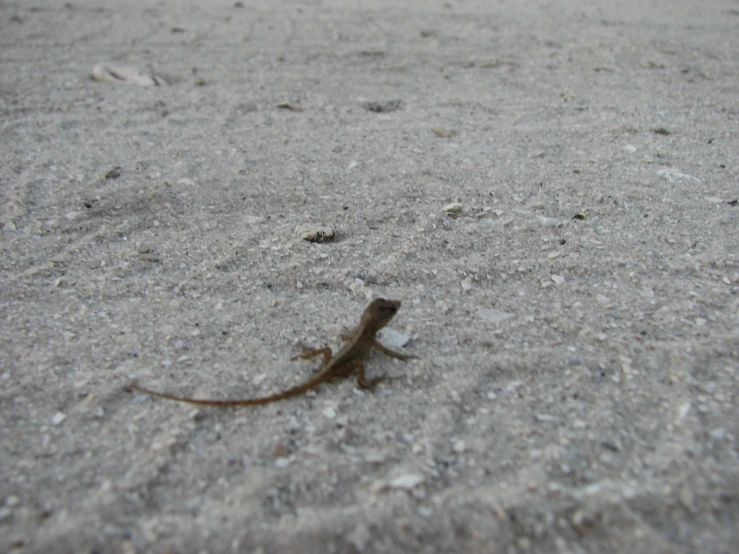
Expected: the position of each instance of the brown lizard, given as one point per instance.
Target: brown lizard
(358, 346)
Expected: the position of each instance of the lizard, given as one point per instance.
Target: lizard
(358, 345)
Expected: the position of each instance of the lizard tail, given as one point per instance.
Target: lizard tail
(299, 389)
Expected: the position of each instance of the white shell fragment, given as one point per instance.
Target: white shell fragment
(549, 221)
(319, 234)
(495, 316)
(392, 339)
(360, 537)
(683, 411)
(453, 208)
(671, 174)
(114, 73)
(58, 418)
(407, 481)
(558, 279)
(282, 463)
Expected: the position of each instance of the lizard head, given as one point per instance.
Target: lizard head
(379, 313)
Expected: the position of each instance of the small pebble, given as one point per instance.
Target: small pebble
(320, 234)
(386, 106)
(716, 435)
(558, 279)
(289, 106)
(58, 418)
(113, 173)
(329, 412)
(626, 367)
(443, 133)
(453, 208)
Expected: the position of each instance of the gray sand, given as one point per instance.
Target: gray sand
(576, 316)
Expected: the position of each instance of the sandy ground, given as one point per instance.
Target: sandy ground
(549, 187)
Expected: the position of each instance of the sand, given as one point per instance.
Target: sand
(549, 187)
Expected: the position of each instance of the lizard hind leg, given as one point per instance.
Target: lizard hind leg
(365, 383)
(308, 353)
